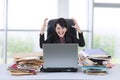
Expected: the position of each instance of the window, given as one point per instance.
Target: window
(106, 30)
(25, 19)
(107, 1)
(29, 14)
(22, 42)
(1, 14)
(78, 10)
(1, 31)
(1, 47)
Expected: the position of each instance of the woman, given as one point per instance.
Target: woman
(62, 34)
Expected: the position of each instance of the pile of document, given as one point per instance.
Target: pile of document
(95, 70)
(26, 65)
(95, 61)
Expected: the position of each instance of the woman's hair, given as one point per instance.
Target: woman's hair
(62, 22)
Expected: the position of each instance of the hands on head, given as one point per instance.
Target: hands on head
(76, 26)
(45, 23)
(44, 26)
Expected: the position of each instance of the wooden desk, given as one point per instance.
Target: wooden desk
(114, 74)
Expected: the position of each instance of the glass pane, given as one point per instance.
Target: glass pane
(1, 14)
(107, 1)
(106, 30)
(78, 10)
(1, 48)
(29, 14)
(22, 42)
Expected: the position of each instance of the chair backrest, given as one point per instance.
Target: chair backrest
(51, 23)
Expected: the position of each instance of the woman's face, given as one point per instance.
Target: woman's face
(60, 30)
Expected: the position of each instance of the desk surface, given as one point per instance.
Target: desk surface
(114, 74)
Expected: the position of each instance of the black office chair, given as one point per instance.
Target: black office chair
(51, 23)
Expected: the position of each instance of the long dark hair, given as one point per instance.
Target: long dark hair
(62, 22)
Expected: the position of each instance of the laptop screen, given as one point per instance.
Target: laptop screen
(60, 55)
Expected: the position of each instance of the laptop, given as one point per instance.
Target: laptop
(60, 57)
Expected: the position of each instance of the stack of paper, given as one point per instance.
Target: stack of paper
(95, 70)
(21, 71)
(26, 65)
(98, 56)
(95, 61)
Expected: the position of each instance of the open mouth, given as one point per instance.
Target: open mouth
(61, 34)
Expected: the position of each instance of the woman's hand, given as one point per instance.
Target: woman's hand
(76, 26)
(44, 26)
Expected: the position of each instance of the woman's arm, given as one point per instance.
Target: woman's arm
(44, 26)
(80, 34)
(41, 39)
(76, 26)
(81, 39)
